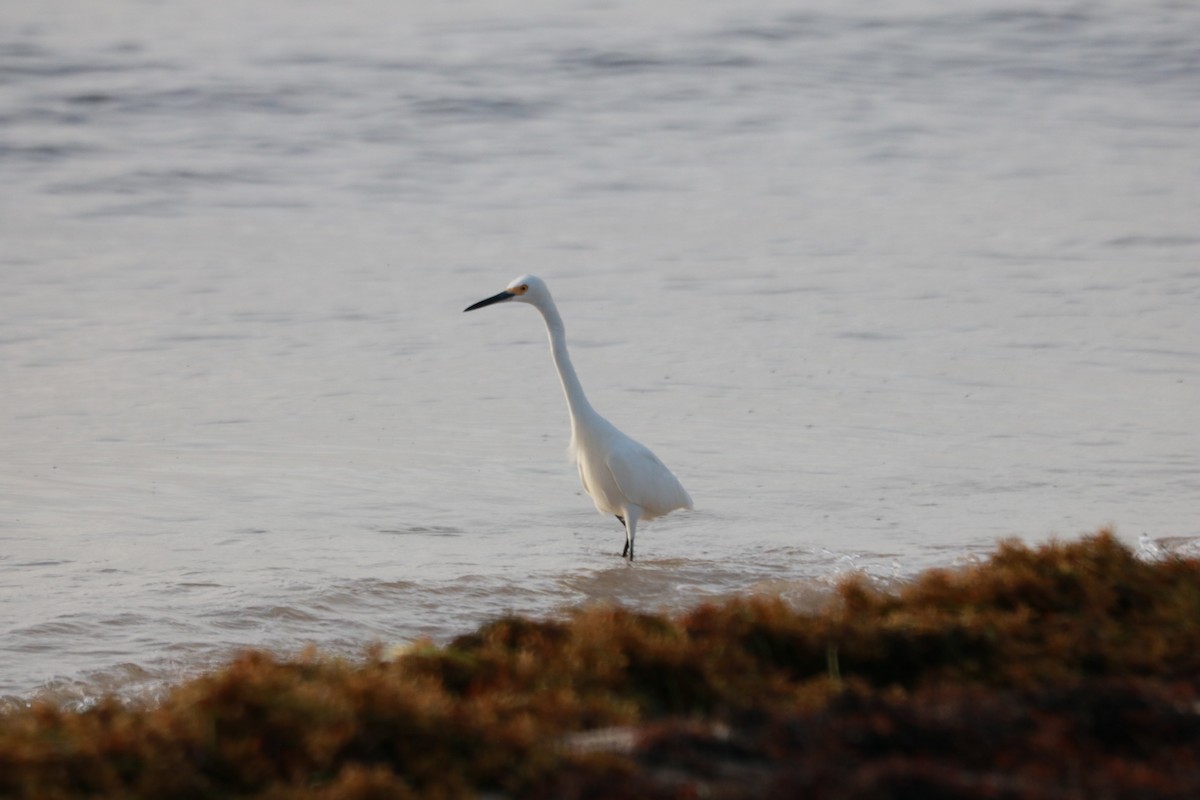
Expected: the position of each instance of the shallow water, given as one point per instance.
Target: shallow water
(882, 285)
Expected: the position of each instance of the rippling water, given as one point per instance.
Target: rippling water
(881, 283)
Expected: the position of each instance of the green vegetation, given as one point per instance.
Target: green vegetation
(1071, 670)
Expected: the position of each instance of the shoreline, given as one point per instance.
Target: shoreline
(1067, 670)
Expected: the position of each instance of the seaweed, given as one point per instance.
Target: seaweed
(1067, 670)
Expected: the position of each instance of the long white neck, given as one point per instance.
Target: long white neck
(577, 402)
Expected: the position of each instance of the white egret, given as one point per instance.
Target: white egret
(621, 475)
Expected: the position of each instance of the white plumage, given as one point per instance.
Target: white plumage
(620, 474)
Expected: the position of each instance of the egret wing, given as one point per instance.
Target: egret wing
(645, 480)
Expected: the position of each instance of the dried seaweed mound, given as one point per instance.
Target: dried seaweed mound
(1070, 670)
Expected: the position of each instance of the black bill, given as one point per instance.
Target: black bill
(496, 298)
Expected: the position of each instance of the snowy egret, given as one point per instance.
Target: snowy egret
(621, 475)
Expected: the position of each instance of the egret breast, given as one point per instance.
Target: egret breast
(598, 482)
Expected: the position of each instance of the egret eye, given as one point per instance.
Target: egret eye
(524, 287)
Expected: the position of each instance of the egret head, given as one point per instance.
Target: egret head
(525, 289)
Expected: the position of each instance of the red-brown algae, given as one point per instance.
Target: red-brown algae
(1067, 670)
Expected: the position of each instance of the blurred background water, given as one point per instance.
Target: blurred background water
(882, 283)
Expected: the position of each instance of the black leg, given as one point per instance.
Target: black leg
(630, 530)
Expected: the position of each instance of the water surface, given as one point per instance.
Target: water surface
(882, 284)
